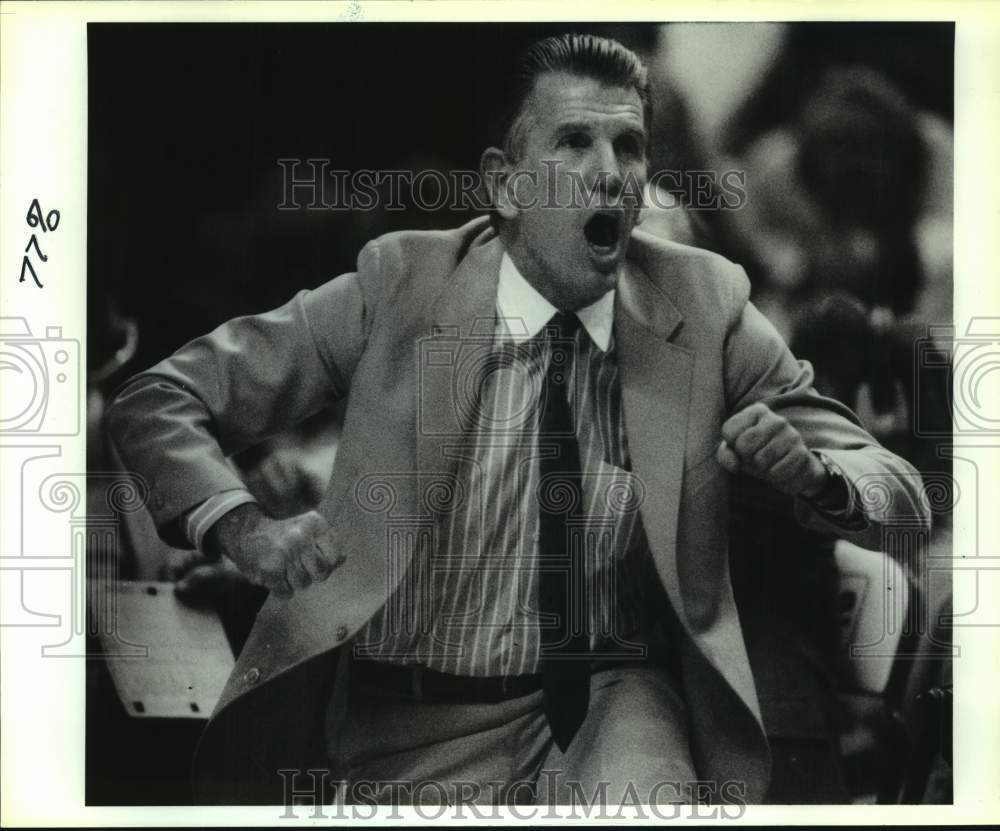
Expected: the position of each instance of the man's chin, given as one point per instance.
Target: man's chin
(605, 270)
(596, 285)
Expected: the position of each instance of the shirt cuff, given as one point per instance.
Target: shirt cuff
(838, 503)
(198, 520)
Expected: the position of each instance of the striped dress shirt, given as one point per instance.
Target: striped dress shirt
(468, 604)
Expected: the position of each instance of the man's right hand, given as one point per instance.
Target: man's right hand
(283, 555)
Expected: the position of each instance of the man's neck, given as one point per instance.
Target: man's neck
(525, 310)
(529, 269)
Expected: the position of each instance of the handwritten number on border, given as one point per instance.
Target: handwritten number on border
(26, 263)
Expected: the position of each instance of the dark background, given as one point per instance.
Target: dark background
(187, 122)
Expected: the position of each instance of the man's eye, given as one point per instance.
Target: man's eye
(629, 146)
(575, 141)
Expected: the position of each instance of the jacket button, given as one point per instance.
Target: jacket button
(341, 633)
(252, 675)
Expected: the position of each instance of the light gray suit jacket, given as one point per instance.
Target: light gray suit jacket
(692, 351)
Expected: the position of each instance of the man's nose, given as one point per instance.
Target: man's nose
(609, 177)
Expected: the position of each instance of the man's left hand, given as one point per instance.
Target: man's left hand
(765, 445)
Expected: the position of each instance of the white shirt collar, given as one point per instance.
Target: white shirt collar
(524, 311)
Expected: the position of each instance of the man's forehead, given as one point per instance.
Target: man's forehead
(565, 96)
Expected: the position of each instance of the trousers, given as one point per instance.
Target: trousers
(632, 746)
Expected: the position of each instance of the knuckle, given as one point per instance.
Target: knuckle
(782, 441)
(292, 551)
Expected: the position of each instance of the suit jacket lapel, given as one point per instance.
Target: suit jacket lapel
(458, 336)
(656, 390)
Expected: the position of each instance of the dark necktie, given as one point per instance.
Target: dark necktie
(565, 642)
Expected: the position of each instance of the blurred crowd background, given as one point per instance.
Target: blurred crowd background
(843, 132)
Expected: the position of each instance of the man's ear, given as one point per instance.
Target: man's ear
(495, 171)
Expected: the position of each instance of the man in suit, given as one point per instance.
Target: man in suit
(516, 585)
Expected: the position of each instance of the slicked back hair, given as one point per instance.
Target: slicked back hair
(600, 58)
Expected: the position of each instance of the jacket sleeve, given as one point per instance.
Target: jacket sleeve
(760, 367)
(177, 423)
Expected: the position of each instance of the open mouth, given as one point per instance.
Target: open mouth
(603, 230)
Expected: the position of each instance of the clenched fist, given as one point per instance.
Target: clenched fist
(764, 444)
(283, 555)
